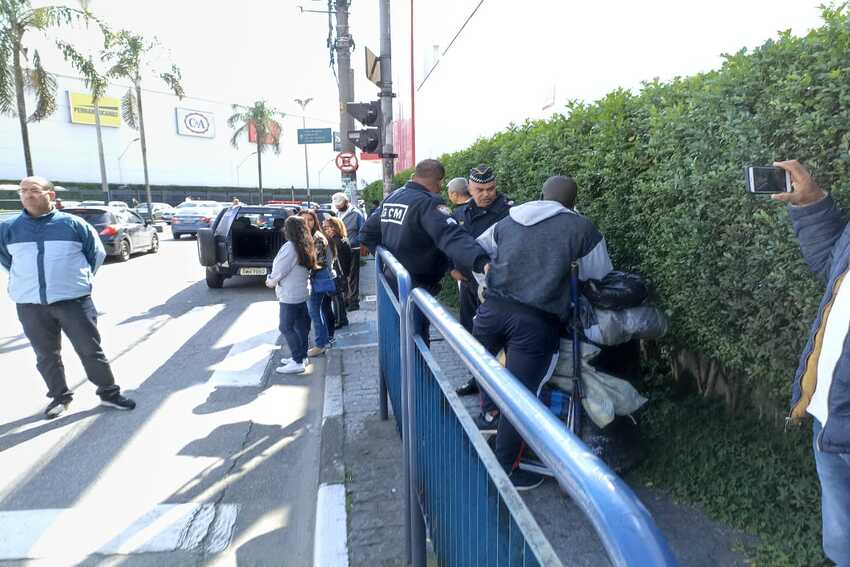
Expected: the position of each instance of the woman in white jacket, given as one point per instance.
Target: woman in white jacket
(291, 281)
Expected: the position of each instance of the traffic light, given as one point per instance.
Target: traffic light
(368, 114)
(367, 140)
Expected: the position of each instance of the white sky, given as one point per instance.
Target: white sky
(502, 69)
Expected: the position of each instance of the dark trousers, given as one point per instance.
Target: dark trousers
(295, 328)
(468, 299)
(354, 279)
(530, 342)
(77, 318)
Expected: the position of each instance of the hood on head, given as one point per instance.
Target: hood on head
(533, 212)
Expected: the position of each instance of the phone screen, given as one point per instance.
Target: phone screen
(767, 180)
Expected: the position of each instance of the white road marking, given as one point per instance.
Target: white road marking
(330, 544)
(253, 337)
(166, 527)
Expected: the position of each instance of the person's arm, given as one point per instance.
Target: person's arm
(818, 222)
(452, 239)
(359, 221)
(5, 257)
(92, 246)
(594, 263)
(283, 263)
(370, 234)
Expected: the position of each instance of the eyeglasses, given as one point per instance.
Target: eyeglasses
(33, 190)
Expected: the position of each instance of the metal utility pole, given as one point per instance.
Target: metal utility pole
(343, 45)
(386, 96)
(303, 104)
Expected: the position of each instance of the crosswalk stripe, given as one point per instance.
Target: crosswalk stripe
(166, 527)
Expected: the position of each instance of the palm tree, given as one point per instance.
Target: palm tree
(264, 120)
(130, 57)
(20, 73)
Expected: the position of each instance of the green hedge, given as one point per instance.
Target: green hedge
(661, 174)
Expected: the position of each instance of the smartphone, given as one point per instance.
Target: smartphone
(767, 180)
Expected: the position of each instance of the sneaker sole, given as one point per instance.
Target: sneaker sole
(291, 371)
(106, 404)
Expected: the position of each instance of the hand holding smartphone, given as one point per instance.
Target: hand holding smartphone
(767, 180)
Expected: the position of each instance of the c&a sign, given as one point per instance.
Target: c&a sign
(195, 123)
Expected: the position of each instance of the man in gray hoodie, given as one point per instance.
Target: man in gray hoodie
(528, 294)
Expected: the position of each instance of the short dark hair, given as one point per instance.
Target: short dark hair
(561, 189)
(430, 169)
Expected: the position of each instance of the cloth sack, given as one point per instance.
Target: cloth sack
(618, 327)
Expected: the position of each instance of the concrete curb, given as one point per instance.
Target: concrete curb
(330, 541)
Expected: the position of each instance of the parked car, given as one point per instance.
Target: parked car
(92, 204)
(243, 241)
(193, 215)
(62, 204)
(119, 205)
(159, 210)
(121, 232)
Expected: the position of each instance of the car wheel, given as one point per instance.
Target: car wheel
(214, 279)
(124, 251)
(154, 244)
(176, 235)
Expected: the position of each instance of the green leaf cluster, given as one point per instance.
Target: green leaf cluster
(661, 173)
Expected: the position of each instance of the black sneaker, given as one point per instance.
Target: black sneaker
(487, 423)
(118, 401)
(469, 388)
(57, 407)
(525, 480)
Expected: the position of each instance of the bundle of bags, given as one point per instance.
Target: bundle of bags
(613, 310)
(604, 396)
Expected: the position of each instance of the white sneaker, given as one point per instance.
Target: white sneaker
(284, 361)
(291, 368)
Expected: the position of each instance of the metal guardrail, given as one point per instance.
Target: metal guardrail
(392, 296)
(454, 483)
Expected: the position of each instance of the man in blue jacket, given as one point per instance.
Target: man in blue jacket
(51, 258)
(821, 385)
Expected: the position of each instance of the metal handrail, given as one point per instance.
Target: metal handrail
(403, 285)
(626, 528)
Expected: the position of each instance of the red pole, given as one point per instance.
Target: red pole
(412, 93)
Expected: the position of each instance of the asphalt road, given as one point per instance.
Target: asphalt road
(217, 464)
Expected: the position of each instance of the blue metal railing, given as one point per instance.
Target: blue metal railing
(392, 296)
(458, 487)
(453, 482)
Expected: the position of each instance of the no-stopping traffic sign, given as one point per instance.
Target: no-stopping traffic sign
(347, 162)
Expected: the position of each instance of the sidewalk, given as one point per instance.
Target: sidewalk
(371, 459)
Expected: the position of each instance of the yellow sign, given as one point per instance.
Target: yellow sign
(82, 110)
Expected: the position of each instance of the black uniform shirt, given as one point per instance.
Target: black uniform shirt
(477, 219)
(417, 228)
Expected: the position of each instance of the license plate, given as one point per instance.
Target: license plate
(252, 271)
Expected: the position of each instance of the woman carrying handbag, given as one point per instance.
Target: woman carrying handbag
(322, 287)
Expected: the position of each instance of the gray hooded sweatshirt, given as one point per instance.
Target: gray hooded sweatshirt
(531, 251)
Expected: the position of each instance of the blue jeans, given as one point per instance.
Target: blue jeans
(834, 473)
(295, 327)
(321, 314)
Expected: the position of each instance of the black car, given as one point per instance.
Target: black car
(121, 232)
(244, 240)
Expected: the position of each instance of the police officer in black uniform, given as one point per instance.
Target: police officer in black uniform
(486, 207)
(416, 226)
